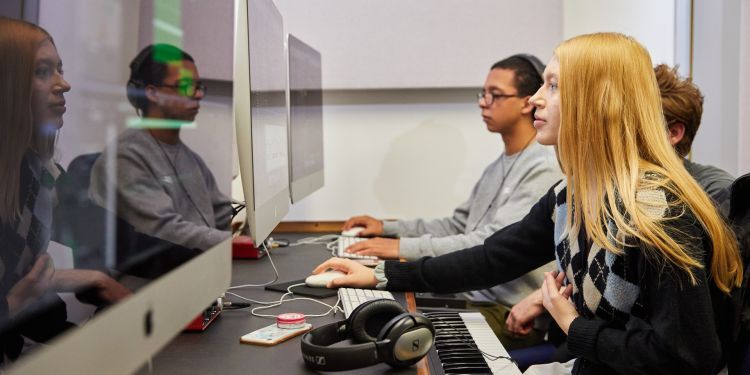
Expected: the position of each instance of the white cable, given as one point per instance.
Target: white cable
(333, 246)
(250, 299)
(324, 239)
(331, 308)
(275, 271)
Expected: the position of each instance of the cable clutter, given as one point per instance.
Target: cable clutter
(271, 304)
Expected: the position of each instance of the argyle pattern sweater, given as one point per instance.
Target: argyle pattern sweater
(637, 315)
(22, 241)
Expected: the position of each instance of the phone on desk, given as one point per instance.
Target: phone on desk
(272, 335)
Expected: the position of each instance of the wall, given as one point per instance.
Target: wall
(744, 96)
(419, 43)
(651, 22)
(399, 153)
(716, 70)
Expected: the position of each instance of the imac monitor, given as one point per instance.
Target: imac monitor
(305, 119)
(86, 238)
(260, 114)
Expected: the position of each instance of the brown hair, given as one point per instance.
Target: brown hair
(682, 102)
(19, 42)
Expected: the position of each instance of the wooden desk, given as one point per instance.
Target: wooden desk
(218, 349)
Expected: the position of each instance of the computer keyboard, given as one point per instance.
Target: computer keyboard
(344, 242)
(352, 297)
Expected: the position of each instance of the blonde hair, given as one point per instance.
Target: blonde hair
(19, 42)
(611, 135)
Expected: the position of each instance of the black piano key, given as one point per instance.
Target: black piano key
(466, 368)
(455, 346)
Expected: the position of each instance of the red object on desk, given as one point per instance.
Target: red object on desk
(201, 322)
(243, 247)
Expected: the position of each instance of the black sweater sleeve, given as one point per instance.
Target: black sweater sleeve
(509, 253)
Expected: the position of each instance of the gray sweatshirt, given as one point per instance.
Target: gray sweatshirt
(496, 201)
(185, 208)
(712, 179)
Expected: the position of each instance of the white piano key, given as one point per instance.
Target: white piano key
(487, 342)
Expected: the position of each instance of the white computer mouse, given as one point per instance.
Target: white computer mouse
(352, 232)
(321, 280)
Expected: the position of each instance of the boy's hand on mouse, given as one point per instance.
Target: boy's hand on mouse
(373, 226)
(357, 275)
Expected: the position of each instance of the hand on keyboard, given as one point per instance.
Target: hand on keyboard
(357, 275)
(344, 243)
(383, 248)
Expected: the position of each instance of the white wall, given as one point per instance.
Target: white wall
(399, 154)
(651, 22)
(381, 44)
(744, 97)
(716, 70)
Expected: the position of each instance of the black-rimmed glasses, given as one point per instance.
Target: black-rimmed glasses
(490, 97)
(188, 88)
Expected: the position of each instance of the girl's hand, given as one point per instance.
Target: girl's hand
(357, 275)
(555, 299)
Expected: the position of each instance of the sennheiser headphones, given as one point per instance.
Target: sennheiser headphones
(533, 61)
(382, 331)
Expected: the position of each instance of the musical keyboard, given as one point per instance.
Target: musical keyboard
(465, 344)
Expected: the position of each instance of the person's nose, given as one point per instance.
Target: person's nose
(536, 99)
(482, 102)
(199, 94)
(62, 86)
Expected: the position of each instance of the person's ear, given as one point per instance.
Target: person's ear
(152, 94)
(676, 132)
(528, 107)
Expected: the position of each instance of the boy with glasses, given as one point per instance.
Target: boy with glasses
(164, 189)
(504, 194)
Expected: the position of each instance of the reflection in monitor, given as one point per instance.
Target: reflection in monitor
(260, 114)
(122, 337)
(305, 119)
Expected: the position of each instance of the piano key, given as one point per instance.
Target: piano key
(465, 344)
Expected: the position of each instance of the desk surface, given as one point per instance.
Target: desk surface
(218, 349)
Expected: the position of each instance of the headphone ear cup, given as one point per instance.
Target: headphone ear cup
(410, 337)
(134, 93)
(368, 319)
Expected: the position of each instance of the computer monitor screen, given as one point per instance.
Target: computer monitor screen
(260, 110)
(305, 119)
(85, 290)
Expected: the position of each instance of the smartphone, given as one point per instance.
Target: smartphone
(272, 335)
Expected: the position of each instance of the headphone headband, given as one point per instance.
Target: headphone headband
(532, 60)
(318, 356)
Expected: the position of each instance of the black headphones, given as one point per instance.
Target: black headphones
(382, 331)
(135, 87)
(533, 61)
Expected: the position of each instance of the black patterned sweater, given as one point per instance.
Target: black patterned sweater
(21, 242)
(637, 316)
